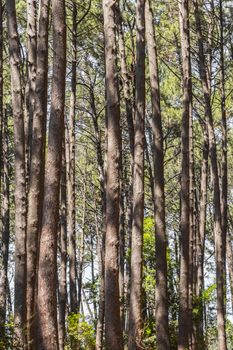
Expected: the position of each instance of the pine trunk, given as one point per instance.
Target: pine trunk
(113, 329)
(161, 309)
(218, 234)
(47, 274)
(135, 309)
(36, 184)
(184, 312)
(20, 185)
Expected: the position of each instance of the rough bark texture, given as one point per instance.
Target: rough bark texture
(71, 172)
(224, 172)
(218, 235)
(5, 228)
(1, 85)
(113, 331)
(161, 309)
(47, 275)
(201, 234)
(20, 186)
(135, 312)
(31, 78)
(35, 196)
(63, 253)
(183, 337)
(81, 241)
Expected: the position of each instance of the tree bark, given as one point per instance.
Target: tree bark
(218, 234)
(63, 253)
(20, 185)
(47, 275)
(201, 234)
(135, 312)
(224, 172)
(31, 78)
(161, 309)
(5, 232)
(184, 322)
(71, 172)
(113, 330)
(35, 196)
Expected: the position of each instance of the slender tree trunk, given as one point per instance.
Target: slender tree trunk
(20, 186)
(100, 230)
(161, 310)
(5, 234)
(184, 322)
(224, 172)
(31, 78)
(218, 235)
(47, 275)
(130, 123)
(1, 88)
(2, 271)
(201, 240)
(81, 247)
(63, 252)
(113, 329)
(135, 311)
(35, 196)
(230, 263)
(100, 254)
(126, 86)
(71, 173)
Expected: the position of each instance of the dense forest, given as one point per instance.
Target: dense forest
(116, 155)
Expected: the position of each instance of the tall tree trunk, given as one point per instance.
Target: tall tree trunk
(218, 235)
(113, 329)
(82, 236)
(20, 186)
(135, 312)
(5, 234)
(35, 196)
(31, 77)
(230, 263)
(224, 172)
(71, 172)
(161, 309)
(184, 322)
(47, 275)
(1, 87)
(63, 252)
(129, 190)
(100, 230)
(201, 234)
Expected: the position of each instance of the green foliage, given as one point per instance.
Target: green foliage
(7, 340)
(149, 337)
(80, 333)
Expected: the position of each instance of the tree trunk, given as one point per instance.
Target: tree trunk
(20, 186)
(201, 234)
(224, 172)
(1, 88)
(161, 310)
(71, 173)
(218, 235)
(35, 196)
(113, 329)
(184, 324)
(135, 316)
(31, 78)
(63, 252)
(5, 234)
(47, 275)
(81, 247)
